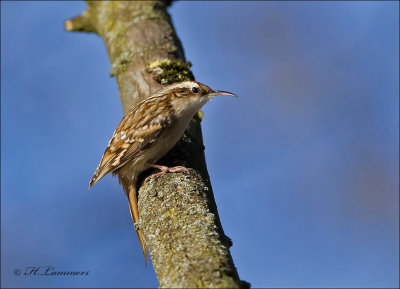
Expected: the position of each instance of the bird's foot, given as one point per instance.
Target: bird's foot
(165, 169)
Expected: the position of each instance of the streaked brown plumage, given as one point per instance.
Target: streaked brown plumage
(148, 132)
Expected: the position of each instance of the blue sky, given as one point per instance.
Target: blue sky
(304, 164)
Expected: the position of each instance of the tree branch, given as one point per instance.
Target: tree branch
(178, 214)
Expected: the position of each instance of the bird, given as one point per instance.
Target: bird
(146, 133)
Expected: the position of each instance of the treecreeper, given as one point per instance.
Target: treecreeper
(146, 133)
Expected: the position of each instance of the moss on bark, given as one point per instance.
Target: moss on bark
(167, 71)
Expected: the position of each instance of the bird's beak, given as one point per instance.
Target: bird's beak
(214, 93)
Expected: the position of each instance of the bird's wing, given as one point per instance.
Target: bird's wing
(137, 131)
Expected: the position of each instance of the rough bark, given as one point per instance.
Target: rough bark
(178, 214)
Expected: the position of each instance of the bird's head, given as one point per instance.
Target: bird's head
(191, 95)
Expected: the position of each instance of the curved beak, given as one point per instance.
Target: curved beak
(214, 93)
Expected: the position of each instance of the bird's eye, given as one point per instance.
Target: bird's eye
(195, 89)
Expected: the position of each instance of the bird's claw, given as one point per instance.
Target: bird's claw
(165, 169)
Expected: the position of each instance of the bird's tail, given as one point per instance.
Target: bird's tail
(130, 190)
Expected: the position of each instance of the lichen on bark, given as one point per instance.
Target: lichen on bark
(178, 214)
(179, 221)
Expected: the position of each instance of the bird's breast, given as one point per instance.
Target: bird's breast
(167, 140)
